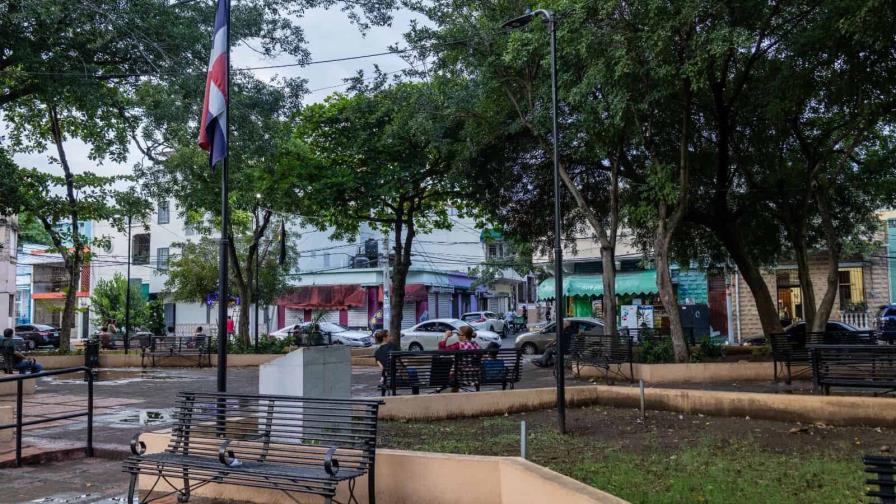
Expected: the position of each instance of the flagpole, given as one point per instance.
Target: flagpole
(223, 296)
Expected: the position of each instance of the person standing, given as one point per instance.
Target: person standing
(230, 326)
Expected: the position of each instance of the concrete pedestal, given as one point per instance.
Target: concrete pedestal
(317, 371)
(6, 435)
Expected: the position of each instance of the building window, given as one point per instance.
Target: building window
(326, 260)
(852, 290)
(164, 212)
(162, 259)
(140, 249)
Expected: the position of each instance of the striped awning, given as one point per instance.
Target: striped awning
(627, 282)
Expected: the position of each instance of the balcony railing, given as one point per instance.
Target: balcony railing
(859, 319)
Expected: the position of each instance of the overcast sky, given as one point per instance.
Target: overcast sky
(329, 34)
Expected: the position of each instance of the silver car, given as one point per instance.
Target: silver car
(486, 320)
(426, 335)
(340, 335)
(535, 342)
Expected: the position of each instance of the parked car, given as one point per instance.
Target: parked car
(798, 331)
(486, 320)
(426, 335)
(340, 335)
(534, 342)
(38, 335)
(885, 322)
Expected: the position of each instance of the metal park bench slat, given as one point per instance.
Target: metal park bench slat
(862, 366)
(792, 349)
(290, 444)
(604, 351)
(883, 467)
(178, 346)
(438, 370)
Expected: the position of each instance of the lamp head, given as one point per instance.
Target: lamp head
(519, 22)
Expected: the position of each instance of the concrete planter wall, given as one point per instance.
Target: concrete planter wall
(701, 372)
(404, 477)
(833, 410)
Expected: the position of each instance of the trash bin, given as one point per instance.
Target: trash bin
(92, 354)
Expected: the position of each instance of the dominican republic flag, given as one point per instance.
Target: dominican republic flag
(213, 123)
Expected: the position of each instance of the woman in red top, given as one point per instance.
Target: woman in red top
(449, 342)
(466, 339)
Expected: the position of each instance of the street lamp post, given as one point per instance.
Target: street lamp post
(127, 297)
(515, 23)
(257, 266)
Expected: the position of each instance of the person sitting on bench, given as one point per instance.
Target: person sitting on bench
(22, 363)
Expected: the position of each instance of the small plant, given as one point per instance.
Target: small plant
(657, 351)
(707, 350)
(762, 351)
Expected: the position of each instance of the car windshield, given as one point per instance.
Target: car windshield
(41, 327)
(457, 323)
(549, 328)
(331, 327)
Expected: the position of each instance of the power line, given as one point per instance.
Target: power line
(240, 69)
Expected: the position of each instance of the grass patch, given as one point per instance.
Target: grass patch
(652, 468)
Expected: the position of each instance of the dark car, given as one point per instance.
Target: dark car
(885, 322)
(797, 332)
(38, 335)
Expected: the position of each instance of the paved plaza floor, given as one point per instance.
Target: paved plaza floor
(127, 401)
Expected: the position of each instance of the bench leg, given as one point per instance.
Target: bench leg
(132, 487)
(371, 482)
(184, 496)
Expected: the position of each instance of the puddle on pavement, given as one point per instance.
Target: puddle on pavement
(83, 498)
(119, 377)
(136, 417)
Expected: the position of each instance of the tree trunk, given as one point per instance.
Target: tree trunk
(765, 306)
(400, 272)
(667, 290)
(73, 259)
(835, 248)
(807, 289)
(608, 259)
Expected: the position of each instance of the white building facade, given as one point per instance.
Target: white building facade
(8, 238)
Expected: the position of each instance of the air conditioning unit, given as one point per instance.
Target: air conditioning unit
(360, 262)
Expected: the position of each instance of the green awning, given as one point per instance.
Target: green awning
(627, 282)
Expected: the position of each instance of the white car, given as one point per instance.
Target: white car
(340, 335)
(426, 335)
(486, 320)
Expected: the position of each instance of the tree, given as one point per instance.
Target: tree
(385, 156)
(193, 271)
(32, 231)
(107, 302)
(96, 82)
(60, 204)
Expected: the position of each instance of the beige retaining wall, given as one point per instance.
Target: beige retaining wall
(833, 410)
(360, 357)
(704, 372)
(9, 388)
(404, 477)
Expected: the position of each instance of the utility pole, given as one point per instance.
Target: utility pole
(127, 297)
(387, 282)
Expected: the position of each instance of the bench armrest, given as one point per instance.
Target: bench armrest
(225, 454)
(137, 447)
(331, 464)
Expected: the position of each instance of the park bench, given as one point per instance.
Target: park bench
(605, 351)
(284, 443)
(862, 366)
(883, 467)
(178, 346)
(789, 350)
(437, 371)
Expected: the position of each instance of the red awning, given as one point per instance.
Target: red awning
(412, 293)
(325, 296)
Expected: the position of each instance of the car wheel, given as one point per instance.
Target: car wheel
(337, 342)
(415, 347)
(505, 333)
(30, 344)
(530, 348)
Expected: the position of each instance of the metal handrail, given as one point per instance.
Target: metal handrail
(19, 423)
